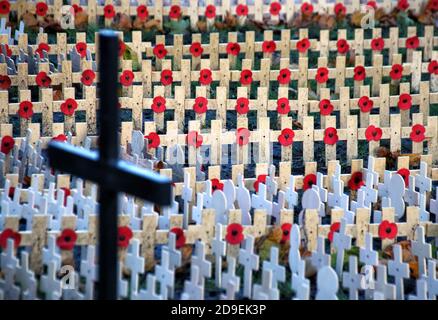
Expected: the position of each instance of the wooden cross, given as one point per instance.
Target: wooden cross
(105, 168)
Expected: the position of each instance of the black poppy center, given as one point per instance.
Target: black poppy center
(374, 133)
(286, 136)
(418, 132)
(67, 238)
(330, 135)
(357, 180)
(122, 238)
(234, 233)
(388, 230)
(286, 232)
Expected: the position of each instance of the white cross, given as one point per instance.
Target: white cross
(197, 210)
(384, 187)
(320, 187)
(243, 200)
(432, 281)
(396, 193)
(51, 253)
(265, 291)
(381, 285)
(230, 292)
(360, 202)
(433, 206)
(422, 181)
(10, 290)
(150, 293)
(219, 204)
(135, 263)
(311, 200)
(218, 247)
(424, 215)
(399, 270)
(192, 288)
(208, 195)
(230, 193)
(341, 241)
(250, 262)
(15, 206)
(122, 286)
(168, 211)
(411, 196)
(421, 291)
(8, 258)
(271, 184)
(174, 254)
(26, 278)
(367, 255)
(294, 250)
(370, 192)
(370, 170)
(278, 271)
(278, 206)
(89, 270)
(352, 279)
(422, 250)
(291, 195)
(165, 276)
(337, 198)
(199, 260)
(299, 279)
(327, 284)
(319, 258)
(50, 285)
(186, 195)
(259, 201)
(230, 282)
(28, 209)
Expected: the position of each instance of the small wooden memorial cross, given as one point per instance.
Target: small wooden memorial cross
(105, 168)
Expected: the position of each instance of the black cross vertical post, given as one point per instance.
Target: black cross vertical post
(104, 168)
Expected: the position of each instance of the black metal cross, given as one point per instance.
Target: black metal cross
(105, 168)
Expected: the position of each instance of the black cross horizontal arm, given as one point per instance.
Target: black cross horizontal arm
(120, 176)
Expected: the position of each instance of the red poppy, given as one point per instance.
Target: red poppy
(127, 78)
(242, 136)
(122, 48)
(340, 9)
(166, 77)
(275, 8)
(260, 179)
(285, 228)
(242, 10)
(196, 49)
(412, 42)
(210, 11)
(69, 106)
(142, 12)
(109, 12)
(307, 8)
(405, 173)
(41, 9)
(8, 50)
(9, 234)
(158, 104)
(365, 104)
(205, 77)
(234, 233)
(418, 133)
(308, 181)
(372, 4)
(25, 110)
(81, 48)
(11, 192)
(325, 107)
(43, 80)
(201, 105)
(77, 9)
(433, 5)
(402, 5)
(284, 76)
(60, 138)
(245, 77)
(377, 44)
(404, 101)
(387, 230)
(356, 180)
(242, 105)
(269, 46)
(5, 82)
(88, 77)
(233, 48)
(283, 106)
(7, 144)
(160, 51)
(359, 73)
(180, 238)
(331, 136)
(124, 235)
(343, 46)
(216, 184)
(433, 67)
(396, 72)
(41, 48)
(194, 139)
(175, 12)
(5, 7)
(67, 193)
(153, 140)
(303, 45)
(335, 227)
(322, 75)
(373, 133)
(286, 138)
(67, 239)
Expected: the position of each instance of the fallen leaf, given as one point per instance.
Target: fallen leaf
(356, 18)
(29, 20)
(81, 20)
(123, 22)
(153, 24)
(202, 26)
